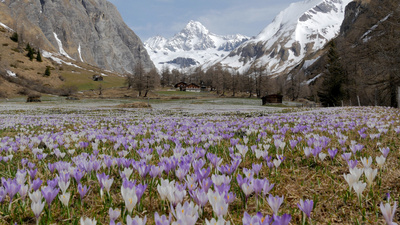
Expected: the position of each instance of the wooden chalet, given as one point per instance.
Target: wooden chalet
(181, 86)
(276, 98)
(193, 88)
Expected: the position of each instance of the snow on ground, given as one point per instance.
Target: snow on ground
(11, 74)
(57, 60)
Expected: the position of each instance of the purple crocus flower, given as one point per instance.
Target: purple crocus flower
(385, 151)
(316, 150)
(306, 206)
(100, 178)
(258, 185)
(3, 194)
(241, 180)
(11, 187)
(346, 156)
(256, 168)
(222, 188)
(114, 214)
(332, 153)
(24, 162)
(163, 220)
(49, 194)
(32, 173)
(36, 184)
(52, 183)
(206, 184)
(199, 196)
(52, 167)
(140, 189)
(229, 197)
(203, 173)
(293, 143)
(282, 220)
(31, 165)
(267, 187)
(352, 163)
(78, 174)
(82, 190)
(257, 219)
(156, 171)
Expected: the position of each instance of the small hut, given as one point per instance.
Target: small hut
(276, 98)
(33, 98)
(97, 78)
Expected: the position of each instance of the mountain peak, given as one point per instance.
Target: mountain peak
(195, 28)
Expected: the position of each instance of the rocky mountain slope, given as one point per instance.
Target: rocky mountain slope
(91, 31)
(297, 32)
(369, 50)
(192, 47)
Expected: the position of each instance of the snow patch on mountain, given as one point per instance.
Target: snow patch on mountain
(80, 53)
(60, 47)
(194, 43)
(5, 26)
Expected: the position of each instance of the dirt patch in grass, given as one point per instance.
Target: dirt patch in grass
(134, 105)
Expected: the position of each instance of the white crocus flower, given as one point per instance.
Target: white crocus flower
(350, 179)
(64, 198)
(322, 156)
(380, 160)
(370, 174)
(88, 221)
(359, 188)
(366, 162)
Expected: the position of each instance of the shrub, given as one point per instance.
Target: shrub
(47, 73)
(14, 37)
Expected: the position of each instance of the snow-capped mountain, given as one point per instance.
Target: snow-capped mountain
(193, 46)
(299, 30)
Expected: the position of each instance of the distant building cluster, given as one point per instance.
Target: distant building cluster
(192, 87)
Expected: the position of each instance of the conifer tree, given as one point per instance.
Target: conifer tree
(30, 52)
(47, 73)
(333, 89)
(39, 57)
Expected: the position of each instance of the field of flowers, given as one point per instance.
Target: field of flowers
(110, 166)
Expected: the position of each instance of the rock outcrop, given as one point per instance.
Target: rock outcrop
(91, 31)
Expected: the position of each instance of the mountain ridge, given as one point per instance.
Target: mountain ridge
(296, 32)
(194, 42)
(96, 34)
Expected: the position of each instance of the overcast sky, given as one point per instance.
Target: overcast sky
(148, 18)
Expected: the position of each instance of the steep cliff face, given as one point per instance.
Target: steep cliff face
(91, 31)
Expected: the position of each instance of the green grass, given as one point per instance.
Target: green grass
(84, 81)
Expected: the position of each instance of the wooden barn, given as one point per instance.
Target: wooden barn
(181, 86)
(193, 87)
(276, 98)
